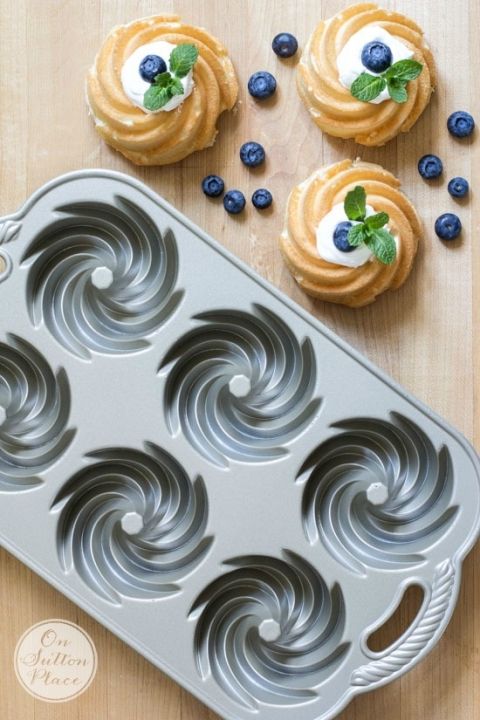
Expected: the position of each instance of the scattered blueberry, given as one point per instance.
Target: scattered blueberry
(213, 185)
(262, 85)
(458, 187)
(340, 237)
(376, 56)
(284, 45)
(430, 167)
(234, 201)
(262, 198)
(252, 154)
(151, 66)
(448, 226)
(461, 124)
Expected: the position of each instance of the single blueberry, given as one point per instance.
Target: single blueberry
(458, 187)
(448, 226)
(262, 85)
(376, 56)
(430, 167)
(461, 124)
(284, 45)
(252, 154)
(262, 198)
(234, 201)
(213, 185)
(151, 66)
(340, 237)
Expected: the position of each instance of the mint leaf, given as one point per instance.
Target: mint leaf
(367, 87)
(176, 87)
(377, 221)
(404, 70)
(356, 235)
(162, 80)
(382, 244)
(182, 59)
(355, 203)
(163, 88)
(397, 91)
(156, 97)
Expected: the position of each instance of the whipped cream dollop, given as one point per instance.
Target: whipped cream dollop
(135, 86)
(349, 59)
(326, 247)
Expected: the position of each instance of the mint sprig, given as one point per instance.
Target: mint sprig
(167, 84)
(369, 231)
(161, 91)
(367, 87)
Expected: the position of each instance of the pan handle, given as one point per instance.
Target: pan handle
(9, 229)
(420, 638)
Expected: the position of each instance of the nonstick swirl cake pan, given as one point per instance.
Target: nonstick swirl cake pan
(205, 468)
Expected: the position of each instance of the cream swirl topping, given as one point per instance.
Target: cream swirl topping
(135, 86)
(349, 60)
(327, 249)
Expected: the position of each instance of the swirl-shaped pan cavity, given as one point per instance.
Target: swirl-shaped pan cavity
(378, 494)
(269, 631)
(34, 412)
(132, 524)
(240, 386)
(103, 278)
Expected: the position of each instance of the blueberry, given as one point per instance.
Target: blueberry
(448, 226)
(461, 124)
(430, 167)
(151, 66)
(340, 237)
(262, 85)
(234, 201)
(262, 198)
(252, 154)
(284, 45)
(458, 187)
(376, 56)
(213, 185)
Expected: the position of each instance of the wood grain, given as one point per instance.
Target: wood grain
(426, 335)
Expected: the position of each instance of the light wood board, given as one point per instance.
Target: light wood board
(426, 335)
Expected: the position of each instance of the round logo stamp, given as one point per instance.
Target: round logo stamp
(55, 660)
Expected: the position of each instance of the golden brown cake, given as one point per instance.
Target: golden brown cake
(331, 104)
(162, 137)
(311, 201)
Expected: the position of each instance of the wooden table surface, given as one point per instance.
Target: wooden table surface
(426, 335)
